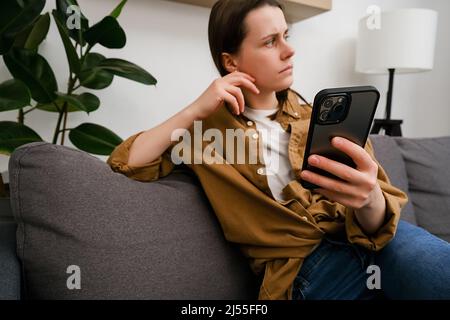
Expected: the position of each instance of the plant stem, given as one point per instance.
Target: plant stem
(55, 136)
(21, 117)
(25, 112)
(56, 106)
(85, 54)
(64, 110)
(70, 89)
(64, 127)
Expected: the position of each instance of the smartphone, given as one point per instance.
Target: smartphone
(346, 112)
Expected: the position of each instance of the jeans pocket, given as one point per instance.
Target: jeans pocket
(300, 287)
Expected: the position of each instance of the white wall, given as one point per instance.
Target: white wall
(170, 41)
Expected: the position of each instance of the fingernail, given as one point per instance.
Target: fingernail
(337, 140)
(313, 160)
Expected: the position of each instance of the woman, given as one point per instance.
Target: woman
(303, 244)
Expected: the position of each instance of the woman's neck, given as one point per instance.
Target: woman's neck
(264, 100)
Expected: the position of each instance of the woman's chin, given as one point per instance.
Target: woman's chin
(284, 84)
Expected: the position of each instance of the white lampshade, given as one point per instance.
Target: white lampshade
(405, 41)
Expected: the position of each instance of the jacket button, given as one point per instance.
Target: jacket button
(255, 136)
(249, 123)
(296, 114)
(305, 218)
(260, 171)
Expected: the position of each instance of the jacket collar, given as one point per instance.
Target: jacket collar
(287, 111)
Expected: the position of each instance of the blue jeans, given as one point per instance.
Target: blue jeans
(413, 265)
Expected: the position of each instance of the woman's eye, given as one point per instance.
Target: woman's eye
(273, 40)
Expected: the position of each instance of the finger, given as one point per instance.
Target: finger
(339, 169)
(245, 83)
(237, 93)
(242, 74)
(329, 184)
(361, 158)
(228, 97)
(346, 201)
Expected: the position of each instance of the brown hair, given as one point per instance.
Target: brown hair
(226, 30)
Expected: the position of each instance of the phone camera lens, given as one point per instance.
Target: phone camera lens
(339, 108)
(324, 116)
(328, 103)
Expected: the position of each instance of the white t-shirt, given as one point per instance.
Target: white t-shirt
(275, 143)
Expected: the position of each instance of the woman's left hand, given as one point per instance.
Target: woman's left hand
(360, 188)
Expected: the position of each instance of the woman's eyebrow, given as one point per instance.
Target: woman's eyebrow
(273, 34)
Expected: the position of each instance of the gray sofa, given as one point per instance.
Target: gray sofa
(77, 230)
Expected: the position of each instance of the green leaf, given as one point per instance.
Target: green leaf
(85, 102)
(89, 101)
(93, 77)
(20, 39)
(38, 32)
(107, 32)
(33, 70)
(116, 12)
(13, 95)
(62, 7)
(13, 135)
(17, 15)
(72, 57)
(94, 139)
(125, 69)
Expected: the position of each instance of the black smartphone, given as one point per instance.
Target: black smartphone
(346, 112)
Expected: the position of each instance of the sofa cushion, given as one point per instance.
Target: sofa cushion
(81, 223)
(427, 161)
(390, 158)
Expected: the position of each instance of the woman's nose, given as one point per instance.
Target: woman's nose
(288, 51)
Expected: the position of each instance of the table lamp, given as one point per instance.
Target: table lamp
(401, 41)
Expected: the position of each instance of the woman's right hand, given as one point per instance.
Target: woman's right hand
(224, 89)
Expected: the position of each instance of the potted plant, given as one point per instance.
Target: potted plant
(33, 86)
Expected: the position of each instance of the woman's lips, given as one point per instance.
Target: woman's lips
(288, 68)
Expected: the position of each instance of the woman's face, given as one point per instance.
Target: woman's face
(265, 52)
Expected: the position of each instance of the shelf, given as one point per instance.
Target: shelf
(296, 10)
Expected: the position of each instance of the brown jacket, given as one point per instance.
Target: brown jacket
(275, 236)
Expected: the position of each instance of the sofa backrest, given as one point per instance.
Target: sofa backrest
(390, 158)
(419, 166)
(427, 166)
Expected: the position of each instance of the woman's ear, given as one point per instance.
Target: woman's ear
(229, 63)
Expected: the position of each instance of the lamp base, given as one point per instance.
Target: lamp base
(391, 127)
